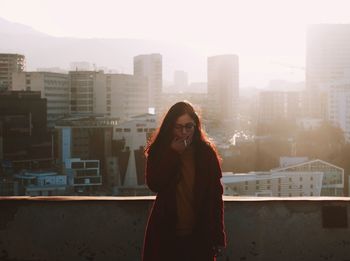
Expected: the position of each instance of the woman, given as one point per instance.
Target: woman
(186, 220)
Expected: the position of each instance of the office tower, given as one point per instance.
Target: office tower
(327, 55)
(339, 107)
(223, 87)
(9, 63)
(87, 92)
(327, 63)
(150, 66)
(127, 95)
(53, 87)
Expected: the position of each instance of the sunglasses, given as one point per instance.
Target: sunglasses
(188, 126)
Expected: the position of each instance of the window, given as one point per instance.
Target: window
(92, 164)
(139, 130)
(77, 165)
(300, 178)
(127, 130)
(290, 179)
(311, 186)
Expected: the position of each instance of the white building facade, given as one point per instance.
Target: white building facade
(273, 184)
(333, 176)
(308, 178)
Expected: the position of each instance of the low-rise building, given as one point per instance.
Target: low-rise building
(41, 183)
(83, 175)
(86, 137)
(306, 178)
(333, 176)
(273, 184)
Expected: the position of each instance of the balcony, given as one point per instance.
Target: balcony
(112, 228)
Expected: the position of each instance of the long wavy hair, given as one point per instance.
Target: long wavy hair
(163, 136)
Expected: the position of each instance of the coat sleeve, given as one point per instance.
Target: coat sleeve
(217, 211)
(162, 171)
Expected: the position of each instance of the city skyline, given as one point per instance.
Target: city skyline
(268, 36)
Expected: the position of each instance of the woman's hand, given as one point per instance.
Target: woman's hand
(180, 144)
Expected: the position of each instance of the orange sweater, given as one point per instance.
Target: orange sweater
(184, 194)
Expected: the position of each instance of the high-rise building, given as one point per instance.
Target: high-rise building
(116, 95)
(223, 87)
(150, 66)
(327, 64)
(127, 95)
(327, 55)
(339, 108)
(88, 92)
(9, 63)
(53, 87)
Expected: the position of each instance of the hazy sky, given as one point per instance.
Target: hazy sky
(264, 33)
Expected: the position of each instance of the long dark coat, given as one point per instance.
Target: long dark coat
(162, 173)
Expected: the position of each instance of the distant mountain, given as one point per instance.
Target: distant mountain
(7, 27)
(42, 50)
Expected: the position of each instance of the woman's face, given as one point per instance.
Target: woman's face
(184, 127)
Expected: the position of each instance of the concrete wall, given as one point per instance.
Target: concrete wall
(86, 228)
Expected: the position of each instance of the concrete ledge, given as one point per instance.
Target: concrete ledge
(112, 228)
